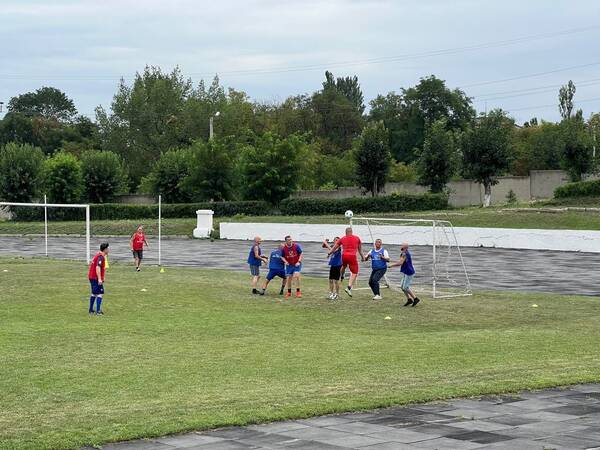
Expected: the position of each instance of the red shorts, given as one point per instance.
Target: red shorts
(351, 262)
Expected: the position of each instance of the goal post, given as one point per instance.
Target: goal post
(441, 269)
(47, 205)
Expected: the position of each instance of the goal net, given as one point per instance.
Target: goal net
(438, 260)
(39, 216)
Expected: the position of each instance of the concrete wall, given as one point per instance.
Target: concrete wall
(136, 199)
(540, 184)
(563, 240)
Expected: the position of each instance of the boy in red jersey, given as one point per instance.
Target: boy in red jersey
(350, 245)
(292, 254)
(137, 242)
(96, 277)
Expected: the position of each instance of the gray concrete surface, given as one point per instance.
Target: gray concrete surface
(488, 269)
(549, 419)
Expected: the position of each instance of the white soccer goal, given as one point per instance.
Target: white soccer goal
(46, 206)
(438, 260)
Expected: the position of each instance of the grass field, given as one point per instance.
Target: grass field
(197, 351)
(541, 214)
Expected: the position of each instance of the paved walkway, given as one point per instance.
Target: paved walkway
(488, 268)
(549, 419)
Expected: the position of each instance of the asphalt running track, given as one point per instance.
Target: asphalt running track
(488, 268)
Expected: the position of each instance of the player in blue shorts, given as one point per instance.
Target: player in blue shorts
(408, 272)
(335, 269)
(276, 269)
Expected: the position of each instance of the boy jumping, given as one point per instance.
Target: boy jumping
(96, 277)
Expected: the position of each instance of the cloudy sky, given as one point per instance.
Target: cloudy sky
(510, 54)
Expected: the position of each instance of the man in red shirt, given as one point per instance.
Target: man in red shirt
(292, 255)
(350, 245)
(137, 242)
(96, 277)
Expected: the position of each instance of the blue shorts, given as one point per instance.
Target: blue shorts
(97, 289)
(292, 269)
(406, 282)
(275, 273)
(254, 270)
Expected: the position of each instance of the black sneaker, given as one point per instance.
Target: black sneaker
(261, 292)
(416, 301)
(281, 292)
(91, 313)
(408, 302)
(99, 313)
(254, 291)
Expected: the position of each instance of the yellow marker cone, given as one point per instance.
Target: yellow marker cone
(387, 318)
(534, 306)
(162, 270)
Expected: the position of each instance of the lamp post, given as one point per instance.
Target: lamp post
(1, 105)
(210, 125)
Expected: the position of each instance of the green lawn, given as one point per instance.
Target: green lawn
(197, 351)
(523, 216)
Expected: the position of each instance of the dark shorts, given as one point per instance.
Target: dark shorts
(335, 272)
(139, 254)
(97, 289)
(254, 270)
(275, 273)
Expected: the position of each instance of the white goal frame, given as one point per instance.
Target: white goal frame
(47, 205)
(435, 226)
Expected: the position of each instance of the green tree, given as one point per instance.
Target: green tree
(565, 100)
(168, 177)
(20, 167)
(349, 87)
(211, 171)
(537, 147)
(63, 178)
(270, 169)
(373, 157)
(437, 159)
(577, 154)
(408, 114)
(104, 176)
(47, 102)
(486, 149)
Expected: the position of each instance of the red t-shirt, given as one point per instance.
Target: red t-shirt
(349, 244)
(98, 260)
(138, 241)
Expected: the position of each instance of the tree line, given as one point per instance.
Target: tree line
(154, 138)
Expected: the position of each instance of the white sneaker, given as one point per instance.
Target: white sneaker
(330, 296)
(377, 297)
(348, 291)
(334, 296)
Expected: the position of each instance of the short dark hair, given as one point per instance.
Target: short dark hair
(103, 246)
(287, 237)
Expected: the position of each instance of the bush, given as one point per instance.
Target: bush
(118, 211)
(388, 203)
(63, 178)
(578, 189)
(20, 166)
(104, 176)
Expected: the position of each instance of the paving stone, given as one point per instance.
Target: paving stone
(550, 428)
(576, 410)
(325, 421)
(549, 416)
(514, 444)
(438, 429)
(355, 441)
(360, 428)
(276, 427)
(405, 436)
(571, 442)
(315, 434)
(471, 414)
(444, 443)
(312, 445)
(394, 421)
(389, 446)
(481, 437)
(143, 444)
(234, 433)
(188, 440)
(513, 420)
(224, 445)
(481, 425)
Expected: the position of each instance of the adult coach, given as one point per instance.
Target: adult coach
(379, 258)
(137, 242)
(276, 269)
(292, 254)
(255, 259)
(408, 271)
(350, 245)
(96, 277)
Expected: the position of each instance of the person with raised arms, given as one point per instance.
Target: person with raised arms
(335, 269)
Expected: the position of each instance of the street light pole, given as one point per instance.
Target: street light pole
(210, 125)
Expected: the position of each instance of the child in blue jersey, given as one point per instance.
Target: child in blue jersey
(335, 269)
(408, 272)
(379, 258)
(276, 269)
(255, 259)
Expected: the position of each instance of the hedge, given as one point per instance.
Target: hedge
(389, 203)
(120, 211)
(578, 189)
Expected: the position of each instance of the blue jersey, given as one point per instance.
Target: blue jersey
(335, 259)
(252, 259)
(275, 261)
(377, 261)
(407, 266)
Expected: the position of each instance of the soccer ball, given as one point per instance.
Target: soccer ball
(349, 214)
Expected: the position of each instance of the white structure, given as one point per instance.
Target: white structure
(204, 224)
(534, 239)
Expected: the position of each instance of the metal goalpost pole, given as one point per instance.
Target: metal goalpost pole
(433, 267)
(159, 230)
(87, 232)
(46, 223)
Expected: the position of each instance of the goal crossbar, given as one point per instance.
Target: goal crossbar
(46, 205)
